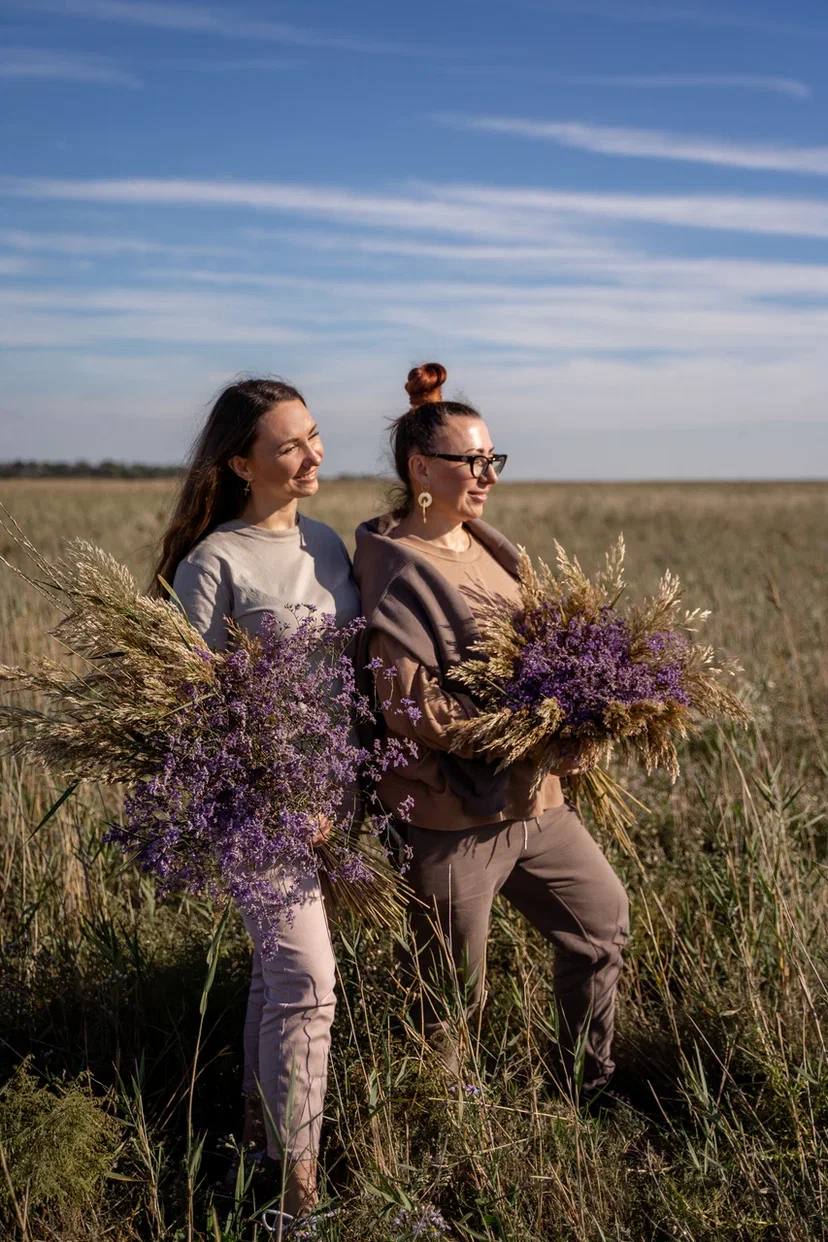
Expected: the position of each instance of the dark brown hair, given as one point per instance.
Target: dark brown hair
(416, 430)
(212, 492)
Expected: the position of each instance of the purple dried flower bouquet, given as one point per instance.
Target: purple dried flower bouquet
(233, 760)
(260, 756)
(573, 675)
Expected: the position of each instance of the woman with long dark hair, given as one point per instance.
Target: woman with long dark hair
(238, 549)
(427, 571)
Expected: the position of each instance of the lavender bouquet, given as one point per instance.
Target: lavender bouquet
(232, 760)
(574, 673)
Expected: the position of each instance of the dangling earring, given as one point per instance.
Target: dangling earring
(247, 488)
(424, 500)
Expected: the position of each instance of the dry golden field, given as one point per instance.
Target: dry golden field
(724, 1011)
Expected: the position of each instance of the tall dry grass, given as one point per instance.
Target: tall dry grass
(723, 1018)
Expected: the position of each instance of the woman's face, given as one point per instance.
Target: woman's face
(457, 496)
(285, 456)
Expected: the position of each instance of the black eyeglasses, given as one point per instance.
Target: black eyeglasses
(478, 464)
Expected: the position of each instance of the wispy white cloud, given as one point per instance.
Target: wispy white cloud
(470, 211)
(71, 318)
(575, 255)
(422, 212)
(562, 246)
(244, 64)
(681, 308)
(653, 144)
(575, 360)
(43, 63)
(15, 265)
(620, 340)
(103, 245)
(791, 87)
(667, 14)
(789, 217)
(165, 15)
(661, 316)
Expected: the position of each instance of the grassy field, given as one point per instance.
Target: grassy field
(724, 1008)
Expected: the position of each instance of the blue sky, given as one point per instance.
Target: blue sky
(608, 220)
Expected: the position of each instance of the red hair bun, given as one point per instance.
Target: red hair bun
(425, 383)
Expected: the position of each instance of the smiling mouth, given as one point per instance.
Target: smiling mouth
(309, 474)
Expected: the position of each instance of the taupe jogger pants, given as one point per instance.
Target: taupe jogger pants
(551, 869)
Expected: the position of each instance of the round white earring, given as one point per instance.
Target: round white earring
(424, 500)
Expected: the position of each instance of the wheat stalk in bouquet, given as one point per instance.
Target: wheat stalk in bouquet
(576, 670)
(232, 759)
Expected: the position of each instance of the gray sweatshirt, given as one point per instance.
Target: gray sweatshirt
(243, 572)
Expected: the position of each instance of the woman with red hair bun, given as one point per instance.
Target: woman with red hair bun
(426, 571)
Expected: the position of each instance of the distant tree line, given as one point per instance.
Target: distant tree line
(84, 470)
(109, 469)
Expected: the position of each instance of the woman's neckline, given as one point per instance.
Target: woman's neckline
(238, 526)
(427, 547)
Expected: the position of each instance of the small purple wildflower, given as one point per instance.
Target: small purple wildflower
(470, 1090)
(411, 710)
(424, 1223)
(405, 808)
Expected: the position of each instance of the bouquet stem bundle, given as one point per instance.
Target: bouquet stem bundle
(233, 760)
(574, 673)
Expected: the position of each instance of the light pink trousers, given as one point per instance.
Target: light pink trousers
(287, 1030)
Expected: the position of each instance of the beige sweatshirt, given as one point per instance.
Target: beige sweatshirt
(243, 572)
(480, 578)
